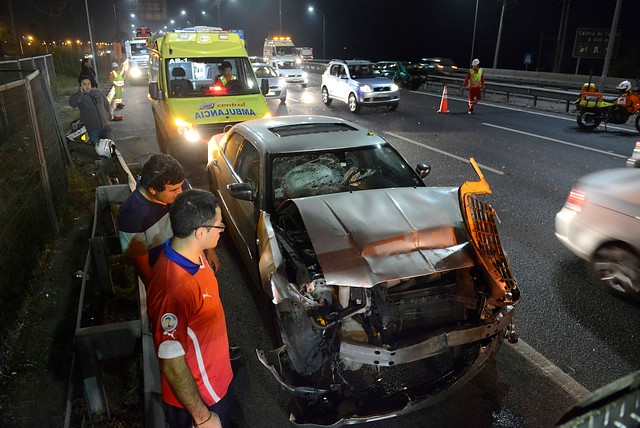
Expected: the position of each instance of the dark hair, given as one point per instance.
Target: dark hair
(83, 77)
(191, 209)
(161, 170)
(225, 64)
(85, 61)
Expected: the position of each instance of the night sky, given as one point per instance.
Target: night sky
(371, 29)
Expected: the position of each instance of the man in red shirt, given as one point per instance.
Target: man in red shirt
(187, 318)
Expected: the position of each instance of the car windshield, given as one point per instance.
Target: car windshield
(198, 77)
(362, 71)
(409, 67)
(298, 175)
(285, 50)
(264, 72)
(139, 49)
(287, 65)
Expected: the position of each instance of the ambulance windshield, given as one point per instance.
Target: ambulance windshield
(211, 76)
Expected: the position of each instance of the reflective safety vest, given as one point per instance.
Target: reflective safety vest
(224, 80)
(475, 78)
(118, 80)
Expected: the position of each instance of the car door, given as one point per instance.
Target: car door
(342, 86)
(330, 79)
(241, 164)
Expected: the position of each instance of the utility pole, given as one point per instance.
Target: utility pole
(13, 28)
(562, 32)
(495, 58)
(612, 39)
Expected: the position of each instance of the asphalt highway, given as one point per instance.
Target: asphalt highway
(575, 338)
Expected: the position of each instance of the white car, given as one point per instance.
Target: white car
(600, 223)
(277, 85)
(290, 71)
(357, 83)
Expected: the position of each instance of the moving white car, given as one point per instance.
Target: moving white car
(291, 72)
(277, 85)
(357, 83)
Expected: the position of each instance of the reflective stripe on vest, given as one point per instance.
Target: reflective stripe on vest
(118, 80)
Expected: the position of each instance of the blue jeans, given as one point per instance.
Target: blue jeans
(178, 417)
(96, 135)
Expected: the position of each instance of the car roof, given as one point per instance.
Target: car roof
(352, 61)
(260, 64)
(285, 134)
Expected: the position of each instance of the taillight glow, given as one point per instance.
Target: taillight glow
(576, 199)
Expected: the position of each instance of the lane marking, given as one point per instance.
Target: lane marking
(522, 110)
(442, 152)
(550, 370)
(555, 140)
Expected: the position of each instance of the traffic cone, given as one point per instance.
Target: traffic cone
(444, 103)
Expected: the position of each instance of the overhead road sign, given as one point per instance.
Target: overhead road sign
(593, 42)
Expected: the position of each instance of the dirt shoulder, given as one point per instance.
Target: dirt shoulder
(35, 376)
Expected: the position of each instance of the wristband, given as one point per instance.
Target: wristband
(205, 421)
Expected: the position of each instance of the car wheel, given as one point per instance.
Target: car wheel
(393, 107)
(638, 122)
(588, 120)
(616, 269)
(304, 85)
(325, 96)
(283, 99)
(354, 107)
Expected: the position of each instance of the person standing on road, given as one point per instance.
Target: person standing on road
(94, 110)
(474, 81)
(116, 79)
(86, 69)
(187, 318)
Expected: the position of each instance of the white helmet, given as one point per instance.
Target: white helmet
(106, 148)
(475, 62)
(624, 86)
(114, 64)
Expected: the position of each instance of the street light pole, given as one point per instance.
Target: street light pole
(495, 58)
(324, 53)
(473, 40)
(219, 19)
(280, 16)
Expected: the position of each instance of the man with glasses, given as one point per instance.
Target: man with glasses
(187, 318)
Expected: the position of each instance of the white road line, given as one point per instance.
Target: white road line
(551, 371)
(566, 143)
(442, 152)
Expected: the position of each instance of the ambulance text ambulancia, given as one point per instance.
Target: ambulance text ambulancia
(200, 82)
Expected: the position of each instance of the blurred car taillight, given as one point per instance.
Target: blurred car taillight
(576, 199)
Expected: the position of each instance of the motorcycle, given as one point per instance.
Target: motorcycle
(594, 108)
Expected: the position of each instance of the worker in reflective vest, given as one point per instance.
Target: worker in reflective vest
(227, 74)
(117, 81)
(475, 83)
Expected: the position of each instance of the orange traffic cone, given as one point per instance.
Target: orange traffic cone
(444, 103)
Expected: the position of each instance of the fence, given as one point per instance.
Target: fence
(33, 180)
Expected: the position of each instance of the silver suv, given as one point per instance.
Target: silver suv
(357, 83)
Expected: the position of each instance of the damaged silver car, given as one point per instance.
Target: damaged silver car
(387, 293)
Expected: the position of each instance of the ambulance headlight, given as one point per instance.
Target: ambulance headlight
(186, 130)
(135, 71)
(366, 88)
(394, 87)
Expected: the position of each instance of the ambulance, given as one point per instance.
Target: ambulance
(280, 48)
(190, 103)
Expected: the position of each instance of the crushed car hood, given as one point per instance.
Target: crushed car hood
(367, 237)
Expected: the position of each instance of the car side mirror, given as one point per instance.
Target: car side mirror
(242, 191)
(343, 76)
(423, 169)
(264, 86)
(154, 91)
